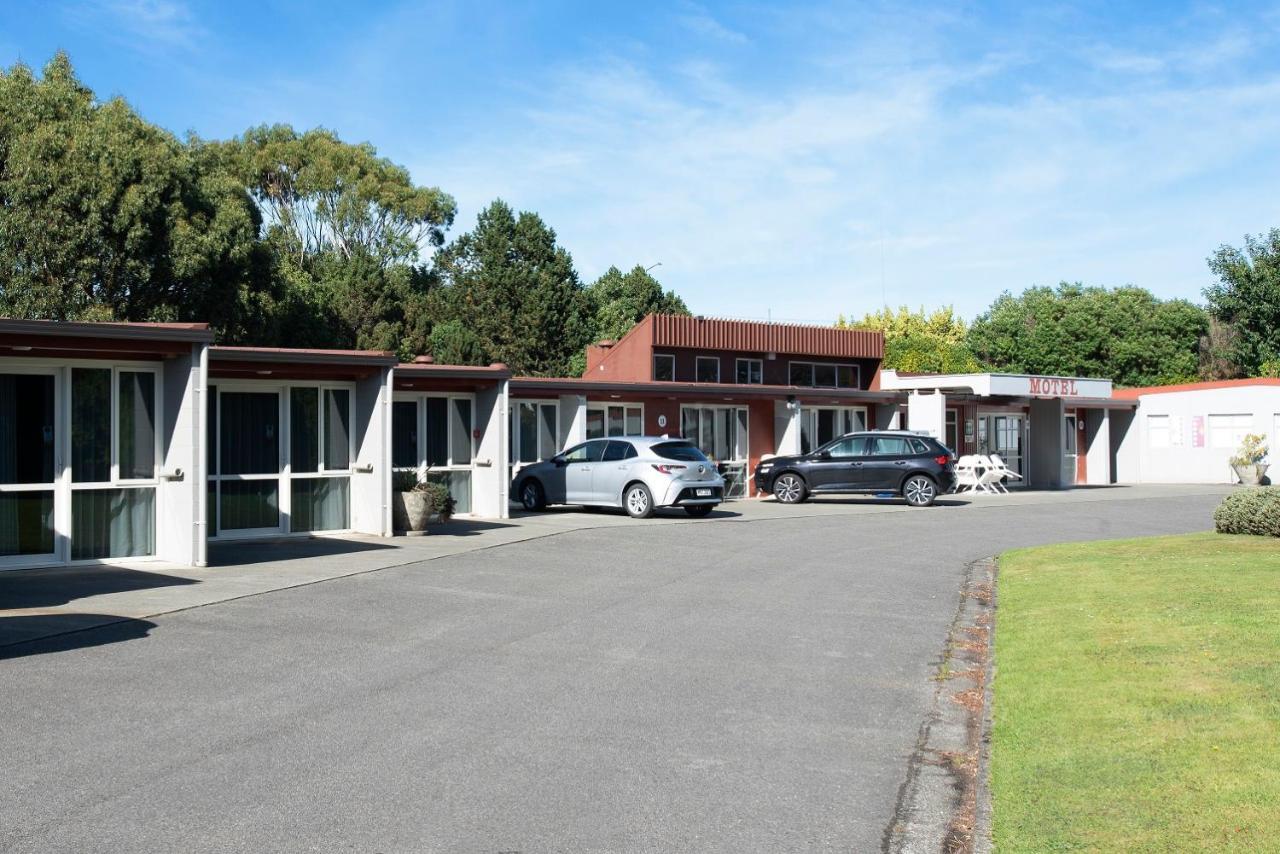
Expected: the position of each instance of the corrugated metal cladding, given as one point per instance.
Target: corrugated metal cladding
(714, 334)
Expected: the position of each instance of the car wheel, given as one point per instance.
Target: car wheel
(699, 511)
(790, 489)
(919, 490)
(637, 501)
(532, 497)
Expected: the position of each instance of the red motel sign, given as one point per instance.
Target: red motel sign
(1053, 387)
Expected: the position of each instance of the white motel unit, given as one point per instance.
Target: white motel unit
(145, 441)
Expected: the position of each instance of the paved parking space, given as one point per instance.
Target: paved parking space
(744, 684)
(39, 603)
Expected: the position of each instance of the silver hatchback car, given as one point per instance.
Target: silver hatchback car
(636, 473)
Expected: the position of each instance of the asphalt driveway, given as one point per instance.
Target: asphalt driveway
(720, 686)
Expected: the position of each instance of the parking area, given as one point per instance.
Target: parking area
(570, 681)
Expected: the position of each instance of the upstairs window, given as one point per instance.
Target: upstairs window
(820, 375)
(750, 371)
(708, 369)
(664, 367)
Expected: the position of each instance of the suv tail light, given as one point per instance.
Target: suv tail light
(942, 459)
(669, 468)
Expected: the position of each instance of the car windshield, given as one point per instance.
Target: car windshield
(682, 451)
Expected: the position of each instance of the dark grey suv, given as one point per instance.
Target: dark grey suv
(917, 467)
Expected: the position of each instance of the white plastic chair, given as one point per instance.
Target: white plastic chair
(966, 474)
(1000, 466)
(988, 477)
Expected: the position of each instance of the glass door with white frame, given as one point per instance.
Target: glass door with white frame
(29, 466)
(1004, 435)
(436, 431)
(821, 424)
(720, 432)
(245, 476)
(615, 419)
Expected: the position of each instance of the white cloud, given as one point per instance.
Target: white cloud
(932, 184)
(148, 26)
(700, 22)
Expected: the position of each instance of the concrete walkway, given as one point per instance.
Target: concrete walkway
(42, 603)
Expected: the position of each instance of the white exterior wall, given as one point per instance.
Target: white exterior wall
(927, 413)
(1183, 461)
(490, 469)
(371, 474)
(786, 428)
(180, 528)
(1097, 424)
(573, 420)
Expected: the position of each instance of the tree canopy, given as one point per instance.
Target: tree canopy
(104, 216)
(514, 288)
(1125, 333)
(920, 341)
(1247, 298)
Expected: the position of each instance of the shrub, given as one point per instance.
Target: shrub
(1253, 450)
(419, 480)
(1250, 511)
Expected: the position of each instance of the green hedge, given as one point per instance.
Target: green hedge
(1250, 511)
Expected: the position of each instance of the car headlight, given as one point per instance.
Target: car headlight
(764, 467)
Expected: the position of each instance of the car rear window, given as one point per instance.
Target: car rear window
(682, 451)
(919, 446)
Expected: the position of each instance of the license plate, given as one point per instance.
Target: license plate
(702, 492)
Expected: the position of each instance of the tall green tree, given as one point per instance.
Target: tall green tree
(105, 216)
(920, 341)
(1126, 334)
(1247, 298)
(618, 301)
(345, 229)
(515, 289)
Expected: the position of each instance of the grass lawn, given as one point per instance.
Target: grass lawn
(1137, 696)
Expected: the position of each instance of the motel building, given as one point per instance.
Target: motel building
(146, 441)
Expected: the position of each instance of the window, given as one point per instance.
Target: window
(820, 375)
(953, 431)
(749, 371)
(1228, 431)
(850, 446)
(439, 431)
(890, 446)
(708, 369)
(617, 451)
(680, 451)
(615, 419)
(664, 367)
(534, 430)
(820, 424)
(113, 443)
(587, 452)
(719, 431)
(918, 446)
(1158, 431)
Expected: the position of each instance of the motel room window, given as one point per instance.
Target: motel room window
(1158, 431)
(113, 463)
(749, 371)
(953, 431)
(319, 459)
(615, 419)
(708, 369)
(819, 375)
(1228, 431)
(664, 367)
(438, 431)
(534, 427)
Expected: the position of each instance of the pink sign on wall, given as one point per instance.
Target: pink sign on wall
(1197, 431)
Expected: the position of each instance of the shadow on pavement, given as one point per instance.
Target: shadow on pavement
(25, 635)
(463, 527)
(44, 588)
(267, 551)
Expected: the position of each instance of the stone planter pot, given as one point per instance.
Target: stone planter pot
(411, 512)
(1251, 475)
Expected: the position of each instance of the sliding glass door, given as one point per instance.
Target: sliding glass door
(28, 466)
(439, 432)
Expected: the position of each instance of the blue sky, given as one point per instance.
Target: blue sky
(788, 160)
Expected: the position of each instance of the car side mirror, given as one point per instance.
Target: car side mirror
(560, 462)
(824, 455)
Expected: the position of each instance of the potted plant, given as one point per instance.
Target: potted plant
(1248, 461)
(418, 501)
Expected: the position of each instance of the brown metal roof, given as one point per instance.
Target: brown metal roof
(715, 334)
(578, 385)
(292, 355)
(193, 332)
